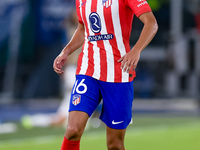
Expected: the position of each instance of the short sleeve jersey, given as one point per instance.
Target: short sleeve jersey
(108, 25)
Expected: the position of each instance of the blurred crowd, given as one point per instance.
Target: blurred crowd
(33, 32)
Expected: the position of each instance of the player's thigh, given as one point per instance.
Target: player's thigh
(115, 138)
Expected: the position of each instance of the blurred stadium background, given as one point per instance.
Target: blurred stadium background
(166, 108)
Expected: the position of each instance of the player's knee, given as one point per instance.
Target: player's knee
(73, 133)
(115, 146)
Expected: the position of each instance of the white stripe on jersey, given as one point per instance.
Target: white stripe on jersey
(118, 35)
(108, 48)
(96, 57)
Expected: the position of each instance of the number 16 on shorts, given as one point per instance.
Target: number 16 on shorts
(81, 88)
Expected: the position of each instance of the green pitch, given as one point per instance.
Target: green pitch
(146, 133)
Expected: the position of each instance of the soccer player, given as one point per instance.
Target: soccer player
(106, 66)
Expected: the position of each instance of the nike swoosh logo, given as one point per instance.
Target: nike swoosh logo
(113, 122)
(82, 4)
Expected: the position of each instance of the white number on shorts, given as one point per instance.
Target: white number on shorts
(79, 85)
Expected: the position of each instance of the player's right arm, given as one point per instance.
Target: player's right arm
(76, 41)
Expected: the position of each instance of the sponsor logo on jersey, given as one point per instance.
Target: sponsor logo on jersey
(95, 25)
(76, 99)
(101, 37)
(143, 3)
(107, 3)
(95, 22)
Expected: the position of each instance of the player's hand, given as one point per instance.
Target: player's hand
(130, 60)
(59, 63)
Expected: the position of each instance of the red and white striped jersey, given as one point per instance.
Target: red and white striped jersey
(108, 26)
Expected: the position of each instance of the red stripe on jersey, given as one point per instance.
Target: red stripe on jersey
(90, 69)
(94, 6)
(103, 63)
(79, 62)
(113, 42)
(87, 31)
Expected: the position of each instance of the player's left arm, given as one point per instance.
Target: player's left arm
(130, 60)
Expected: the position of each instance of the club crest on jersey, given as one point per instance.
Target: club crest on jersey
(76, 99)
(107, 3)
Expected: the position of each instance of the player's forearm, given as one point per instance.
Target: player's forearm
(148, 32)
(76, 41)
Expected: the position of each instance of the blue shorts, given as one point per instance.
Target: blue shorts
(117, 99)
